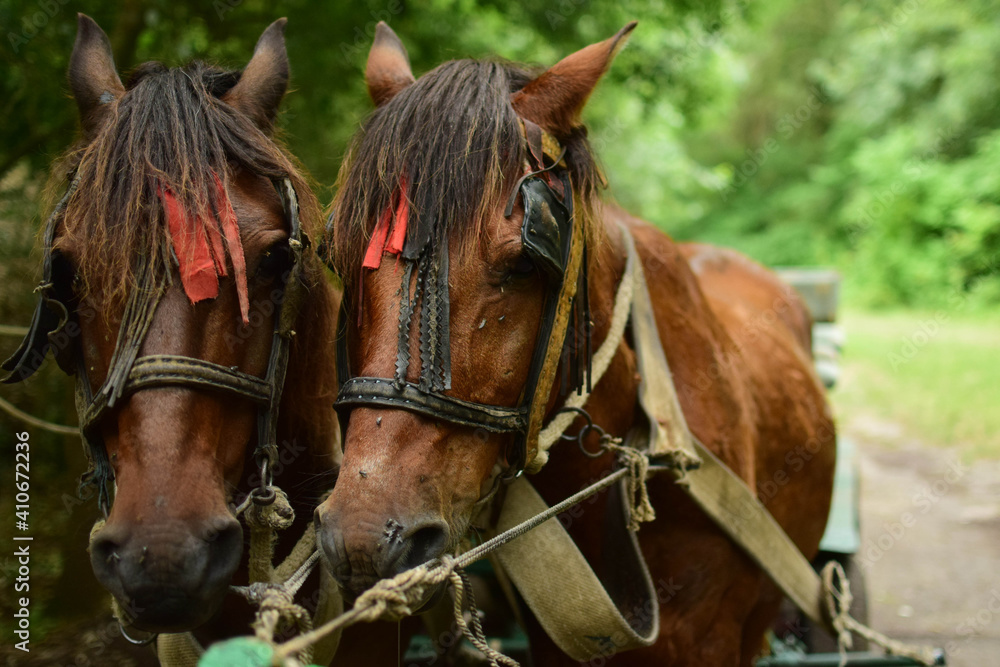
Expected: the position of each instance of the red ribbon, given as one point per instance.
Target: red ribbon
(199, 248)
(396, 216)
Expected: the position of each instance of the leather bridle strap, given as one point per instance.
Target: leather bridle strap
(172, 370)
(369, 391)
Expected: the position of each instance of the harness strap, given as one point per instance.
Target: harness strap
(167, 369)
(579, 613)
(601, 360)
(369, 391)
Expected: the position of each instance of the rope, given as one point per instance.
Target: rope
(640, 510)
(839, 598)
(14, 411)
(392, 599)
(474, 633)
(276, 603)
(264, 520)
(602, 360)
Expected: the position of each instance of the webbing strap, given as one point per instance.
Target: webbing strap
(720, 493)
(730, 503)
(566, 596)
(179, 649)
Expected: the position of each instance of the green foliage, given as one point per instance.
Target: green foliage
(892, 174)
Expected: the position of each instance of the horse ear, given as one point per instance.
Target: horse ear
(92, 75)
(265, 78)
(554, 99)
(388, 69)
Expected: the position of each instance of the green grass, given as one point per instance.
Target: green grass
(934, 375)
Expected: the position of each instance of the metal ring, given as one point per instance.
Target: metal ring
(583, 434)
(265, 475)
(137, 642)
(264, 496)
(582, 413)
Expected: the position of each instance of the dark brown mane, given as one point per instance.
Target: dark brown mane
(172, 130)
(457, 139)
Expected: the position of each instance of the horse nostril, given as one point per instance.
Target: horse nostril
(105, 550)
(426, 543)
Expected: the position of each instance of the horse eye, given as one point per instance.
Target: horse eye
(274, 260)
(522, 267)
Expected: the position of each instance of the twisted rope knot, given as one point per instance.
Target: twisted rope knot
(640, 510)
(277, 515)
(265, 518)
(838, 604)
(682, 461)
(394, 599)
(276, 606)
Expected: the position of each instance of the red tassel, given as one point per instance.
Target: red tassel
(231, 229)
(197, 267)
(395, 245)
(373, 256)
(200, 252)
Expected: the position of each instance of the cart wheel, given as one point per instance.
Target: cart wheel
(818, 640)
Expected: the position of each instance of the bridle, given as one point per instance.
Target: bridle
(555, 242)
(128, 373)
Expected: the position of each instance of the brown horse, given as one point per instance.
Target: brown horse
(422, 194)
(180, 222)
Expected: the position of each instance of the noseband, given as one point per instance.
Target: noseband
(555, 243)
(53, 322)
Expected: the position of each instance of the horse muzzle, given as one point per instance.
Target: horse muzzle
(360, 552)
(166, 577)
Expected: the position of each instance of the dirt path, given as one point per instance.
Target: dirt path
(931, 545)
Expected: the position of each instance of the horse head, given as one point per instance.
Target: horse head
(459, 227)
(179, 254)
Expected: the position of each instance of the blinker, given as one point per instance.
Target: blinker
(546, 227)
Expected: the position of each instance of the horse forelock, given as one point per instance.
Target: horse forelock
(171, 132)
(453, 142)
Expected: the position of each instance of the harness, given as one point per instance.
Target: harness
(54, 327)
(555, 242)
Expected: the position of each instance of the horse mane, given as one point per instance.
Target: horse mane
(456, 141)
(169, 130)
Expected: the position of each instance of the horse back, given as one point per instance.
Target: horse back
(733, 281)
